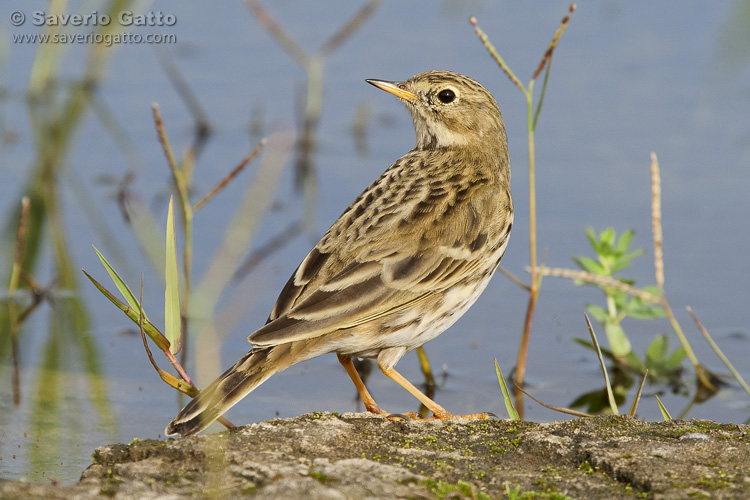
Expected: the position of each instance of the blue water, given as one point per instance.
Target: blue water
(627, 79)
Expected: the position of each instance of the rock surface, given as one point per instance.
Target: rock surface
(359, 456)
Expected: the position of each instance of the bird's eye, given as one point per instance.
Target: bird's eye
(446, 96)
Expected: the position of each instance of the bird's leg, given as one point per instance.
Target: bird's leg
(438, 412)
(369, 402)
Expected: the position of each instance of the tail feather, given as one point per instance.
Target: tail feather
(224, 392)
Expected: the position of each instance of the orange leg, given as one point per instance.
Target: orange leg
(367, 399)
(438, 412)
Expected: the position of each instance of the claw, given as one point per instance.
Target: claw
(399, 415)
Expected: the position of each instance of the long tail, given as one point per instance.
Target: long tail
(224, 392)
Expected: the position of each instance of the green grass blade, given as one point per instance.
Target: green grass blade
(542, 94)
(172, 292)
(637, 398)
(159, 339)
(664, 413)
(120, 284)
(610, 394)
(512, 413)
(719, 352)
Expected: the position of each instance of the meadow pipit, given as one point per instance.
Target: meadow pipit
(408, 257)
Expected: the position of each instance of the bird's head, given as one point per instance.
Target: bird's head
(448, 109)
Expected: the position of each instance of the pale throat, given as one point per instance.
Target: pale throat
(429, 132)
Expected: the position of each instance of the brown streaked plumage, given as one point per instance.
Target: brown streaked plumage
(408, 257)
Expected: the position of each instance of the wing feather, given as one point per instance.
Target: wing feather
(379, 258)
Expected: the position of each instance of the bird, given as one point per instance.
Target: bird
(402, 263)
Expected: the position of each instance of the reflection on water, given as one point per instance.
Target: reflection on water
(56, 110)
(622, 85)
(310, 101)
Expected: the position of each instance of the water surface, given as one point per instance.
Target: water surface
(627, 80)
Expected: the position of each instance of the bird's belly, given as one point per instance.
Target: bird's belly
(415, 326)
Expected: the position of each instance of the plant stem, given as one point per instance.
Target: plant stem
(523, 349)
(532, 117)
(611, 307)
(719, 352)
(656, 225)
(532, 187)
(699, 370)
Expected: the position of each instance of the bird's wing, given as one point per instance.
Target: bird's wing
(363, 270)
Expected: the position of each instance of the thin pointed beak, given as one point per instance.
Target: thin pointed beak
(395, 88)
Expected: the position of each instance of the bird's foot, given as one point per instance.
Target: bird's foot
(444, 415)
(372, 407)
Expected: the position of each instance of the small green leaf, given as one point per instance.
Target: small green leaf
(624, 242)
(632, 255)
(634, 362)
(598, 313)
(657, 350)
(618, 341)
(664, 413)
(172, 292)
(607, 240)
(675, 359)
(150, 330)
(512, 413)
(594, 401)
(589, 345)
(623, 261)
(619, 297)
(120, 284)
(590, 265)
(618, 265)
(644, 310)
(585, 343)
(591, 235)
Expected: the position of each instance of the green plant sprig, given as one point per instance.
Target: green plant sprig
(532, 118)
